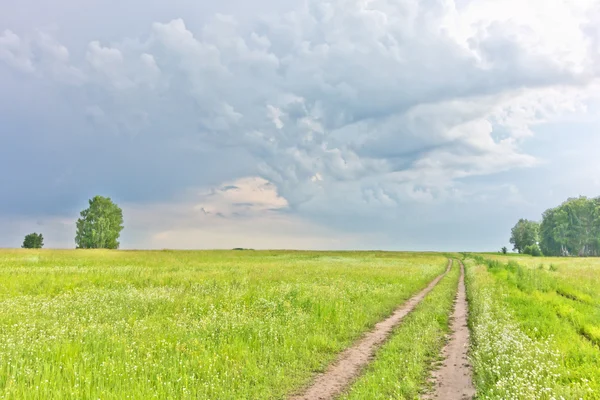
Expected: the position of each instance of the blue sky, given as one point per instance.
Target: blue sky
(339, 124)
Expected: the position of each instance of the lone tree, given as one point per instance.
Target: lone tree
(524, 233)
(100, 225)
(33, 241)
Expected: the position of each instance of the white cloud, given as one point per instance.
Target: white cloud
(245, 196)
(246, 213)
(15, 52)
(56, 60)
(108, 63)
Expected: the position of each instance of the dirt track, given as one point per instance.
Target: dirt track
(453, 380)
(340, 375)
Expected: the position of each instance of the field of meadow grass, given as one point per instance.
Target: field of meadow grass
(197, 324)
(535, 326)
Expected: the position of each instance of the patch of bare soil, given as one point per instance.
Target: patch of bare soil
(351, 361)
(453, 381)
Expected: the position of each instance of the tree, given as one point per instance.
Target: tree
(100, 225)
(552, 236)
(523, 234)
(33, 241)
(504, 250)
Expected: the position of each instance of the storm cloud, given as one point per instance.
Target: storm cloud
(336, 124)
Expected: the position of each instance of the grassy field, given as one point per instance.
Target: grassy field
(260, 324)
(210, 325)
(535, 327)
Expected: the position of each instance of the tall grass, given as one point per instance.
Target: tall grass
(195, 325)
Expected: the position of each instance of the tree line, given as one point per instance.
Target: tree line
(99, 227)
(571, 229)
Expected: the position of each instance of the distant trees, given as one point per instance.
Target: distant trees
(524, 233)
(100, 225)
(33, 241)
(504, 250)
(573, 228)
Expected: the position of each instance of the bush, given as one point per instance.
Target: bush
(533, 250)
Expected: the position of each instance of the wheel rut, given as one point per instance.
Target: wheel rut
(453, 380)
(351, 361)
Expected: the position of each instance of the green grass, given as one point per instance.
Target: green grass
(402, 366)
(195, 325)
(530, 341)
(579, 277)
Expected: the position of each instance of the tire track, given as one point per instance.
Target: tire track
(453, 381)
(351, 361)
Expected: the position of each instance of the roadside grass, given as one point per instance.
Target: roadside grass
(402, 366)
(527, 340)
(570, 286)
(575, 277)
(189, 325)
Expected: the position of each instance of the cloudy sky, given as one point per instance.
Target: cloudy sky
(324, 124)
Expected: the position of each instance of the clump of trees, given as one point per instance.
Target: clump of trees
(571, 229)
(100, 225)
(33, 241)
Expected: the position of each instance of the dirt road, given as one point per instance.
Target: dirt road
(351, 361)
(453, 380)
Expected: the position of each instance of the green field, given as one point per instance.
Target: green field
(198, 325)
(260, 324)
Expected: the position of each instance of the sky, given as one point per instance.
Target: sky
(316, 124)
